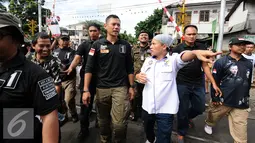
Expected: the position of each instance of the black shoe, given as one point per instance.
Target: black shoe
(61, 123)
(75, 118)
(82, 135)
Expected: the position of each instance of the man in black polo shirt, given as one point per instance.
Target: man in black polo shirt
(190, 83)
(111, 60)
(233, 74)
(82, 52)
(24, 85)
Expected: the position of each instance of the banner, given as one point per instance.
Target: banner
(53, 26)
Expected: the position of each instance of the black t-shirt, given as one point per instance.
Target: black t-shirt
(111, 62)
(66, 56)
(83, 51)
(26, 85)
(192, 73)
(234, 79)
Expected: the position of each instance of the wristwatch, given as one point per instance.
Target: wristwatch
(84, 91)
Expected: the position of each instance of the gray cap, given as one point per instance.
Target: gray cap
(164, 39)
(7, 19)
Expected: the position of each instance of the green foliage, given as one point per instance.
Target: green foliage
(124, 36)
(27, 10)
(127, 37)
(151, 24)
(103, 31)
(2, 7)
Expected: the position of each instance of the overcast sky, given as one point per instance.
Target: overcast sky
(129, 11)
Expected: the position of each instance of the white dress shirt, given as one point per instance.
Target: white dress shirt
(160, 91)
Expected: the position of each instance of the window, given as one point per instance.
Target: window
(214, 11)
(204, 16)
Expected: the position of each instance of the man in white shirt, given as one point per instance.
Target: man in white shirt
(250, 56)
(160, 97)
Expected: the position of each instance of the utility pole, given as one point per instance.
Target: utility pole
(221, 24)
(32, 26)
(182, 17)
(40, 15)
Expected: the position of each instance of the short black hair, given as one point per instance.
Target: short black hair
(95, 25)
(42, 35)
(111, 16)
(143, 31)
(194, 26)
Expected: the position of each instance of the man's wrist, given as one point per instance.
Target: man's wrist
(84, 91)
(132, 86)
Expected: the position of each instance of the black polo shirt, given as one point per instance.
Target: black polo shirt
(111, 62)
(234, 79)
(26, 86)
(83, 51)
(192, 73)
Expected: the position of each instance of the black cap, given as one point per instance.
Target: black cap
(64, 34)
(235, 40)
(7, 19)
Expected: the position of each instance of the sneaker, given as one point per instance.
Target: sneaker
(180, 139)
(191, 124)
(208, 129)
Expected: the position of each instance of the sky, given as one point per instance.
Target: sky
(130, 12)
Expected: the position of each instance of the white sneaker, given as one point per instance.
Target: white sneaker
(208, 129)
(150, 142)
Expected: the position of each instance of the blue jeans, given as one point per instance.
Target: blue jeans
(192, 104)
(164, 123)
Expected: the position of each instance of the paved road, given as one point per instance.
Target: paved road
(195, 135)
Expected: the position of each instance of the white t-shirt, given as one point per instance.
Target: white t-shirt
(252, 59)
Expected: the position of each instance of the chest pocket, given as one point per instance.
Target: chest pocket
(167, 73)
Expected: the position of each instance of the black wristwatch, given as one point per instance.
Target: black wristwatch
(84, 91)
(132, 86)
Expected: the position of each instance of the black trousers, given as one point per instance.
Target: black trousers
(137, 102)
(85, 111)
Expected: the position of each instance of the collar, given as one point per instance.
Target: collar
(230, 58)
(154, 57)
(16, 61)
(65, 48)
(144, 48)
(105, 41)
(186, 46)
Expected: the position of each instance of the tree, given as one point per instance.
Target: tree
(27, 10)
(127, 37)
(2, 7)
(124, 36)
(103, 31)
(151, 24)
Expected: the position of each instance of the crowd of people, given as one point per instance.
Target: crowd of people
(150, 81)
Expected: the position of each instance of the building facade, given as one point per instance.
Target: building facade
(200, 14)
